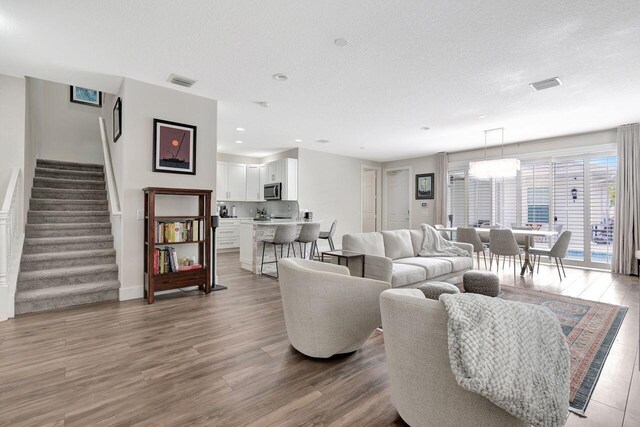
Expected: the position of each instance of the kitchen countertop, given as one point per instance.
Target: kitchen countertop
(281, 221)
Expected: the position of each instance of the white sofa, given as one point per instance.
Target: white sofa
(392, 257)
(326, 311)
(423, 387)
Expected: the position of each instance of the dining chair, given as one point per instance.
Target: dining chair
(558, 251)
(503, 243)
(328, 235)
(470, 235)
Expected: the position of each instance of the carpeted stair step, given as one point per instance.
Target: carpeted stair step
(52, 260)
(41, 279)
(69, 174)
(80, 184)
(68, 229)
(57, 164)
(65, 296)
(65, 217)
(67, 193)
(61, 244)
(68, 205)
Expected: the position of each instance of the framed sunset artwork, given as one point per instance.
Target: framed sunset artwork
(174, 147)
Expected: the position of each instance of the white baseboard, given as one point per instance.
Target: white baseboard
(131, 293)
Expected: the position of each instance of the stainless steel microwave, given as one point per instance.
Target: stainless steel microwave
(273, 191)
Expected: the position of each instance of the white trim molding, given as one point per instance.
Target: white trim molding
(385, 199)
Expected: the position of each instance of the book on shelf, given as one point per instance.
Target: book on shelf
(180, 231)
(165, 260)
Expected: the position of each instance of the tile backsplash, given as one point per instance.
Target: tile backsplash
(248, 209)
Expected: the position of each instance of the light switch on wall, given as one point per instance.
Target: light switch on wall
(140, 214)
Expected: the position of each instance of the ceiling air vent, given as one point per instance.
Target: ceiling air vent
(181, 80)
(545, 84)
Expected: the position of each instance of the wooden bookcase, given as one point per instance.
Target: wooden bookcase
(180, 279)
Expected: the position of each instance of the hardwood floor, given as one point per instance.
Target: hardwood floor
(224, 359)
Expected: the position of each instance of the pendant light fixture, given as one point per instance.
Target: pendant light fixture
(495, 168)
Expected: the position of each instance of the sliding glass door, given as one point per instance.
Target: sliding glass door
(575, 193)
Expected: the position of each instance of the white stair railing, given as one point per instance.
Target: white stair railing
(114, 200)
(10, 237)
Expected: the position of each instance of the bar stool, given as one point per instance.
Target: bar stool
(309, 233)
(328, 235)
(285, 234)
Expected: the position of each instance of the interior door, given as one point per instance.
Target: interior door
(398, 185)
(237, 182)
(368, 201)
(253, 182)
(222, 181)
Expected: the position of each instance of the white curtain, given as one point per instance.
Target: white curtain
(627, 219)
(440, 193)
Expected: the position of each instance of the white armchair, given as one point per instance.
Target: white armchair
(423, 387)
(326, 311)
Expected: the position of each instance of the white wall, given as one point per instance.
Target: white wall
(64, 130)
(419, 215)
(330, 186)
(141, 103)
(12, 129)
(427, 164)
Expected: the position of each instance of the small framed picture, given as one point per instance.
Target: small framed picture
(82, 95)
(174, 147)
(424, 186)
(117, 120)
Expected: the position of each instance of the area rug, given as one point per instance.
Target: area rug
(590, 328)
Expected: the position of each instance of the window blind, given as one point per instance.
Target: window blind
(602, 201)
(480, 197)
(569, 203)
(457, 198)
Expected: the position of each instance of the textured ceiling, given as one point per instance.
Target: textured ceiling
(408, 64)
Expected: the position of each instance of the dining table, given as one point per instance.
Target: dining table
(528, 234)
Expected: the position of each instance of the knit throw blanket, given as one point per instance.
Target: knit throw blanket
(512, 353)
(434, 245)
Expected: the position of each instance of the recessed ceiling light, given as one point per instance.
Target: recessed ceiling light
(263, 104)
(322, 141)
(362, 148)
(482, 116)
(425, 128)
(545, 84)
(240, 129)
(280, 77)
(340, 42)
(238, 142)
(298, 140)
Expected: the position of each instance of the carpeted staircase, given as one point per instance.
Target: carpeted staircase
(68, 256)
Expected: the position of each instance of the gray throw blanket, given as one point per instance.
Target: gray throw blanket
(512, 353)
(434, 245)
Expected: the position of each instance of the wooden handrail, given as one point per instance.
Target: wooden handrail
(114, 200)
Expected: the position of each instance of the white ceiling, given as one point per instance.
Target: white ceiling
(408, 64)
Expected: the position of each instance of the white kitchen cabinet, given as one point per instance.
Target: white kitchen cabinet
(274, 171)
(263, 180)
(228, 234)
(222, 181)
(231, 183)
(253, 183)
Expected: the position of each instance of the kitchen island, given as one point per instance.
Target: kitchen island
(253, 233)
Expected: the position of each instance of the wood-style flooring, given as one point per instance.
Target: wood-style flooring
(224, 360)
